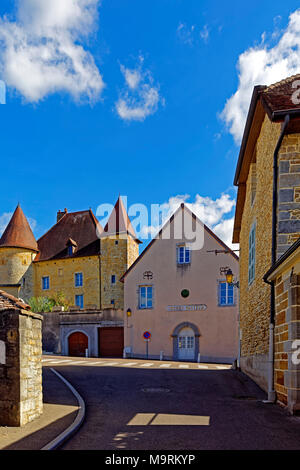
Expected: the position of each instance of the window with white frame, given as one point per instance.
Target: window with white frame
(78, 279)
(226, 294)
(79, 301)
(45, 283)
(183, 254)
(251, 265)
(145, 297)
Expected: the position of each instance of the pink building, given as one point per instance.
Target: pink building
(177, 292)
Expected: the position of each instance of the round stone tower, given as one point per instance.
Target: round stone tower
(18, 248)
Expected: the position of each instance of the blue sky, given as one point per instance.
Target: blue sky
(141, 115)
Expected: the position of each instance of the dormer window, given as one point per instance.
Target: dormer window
(71, 247)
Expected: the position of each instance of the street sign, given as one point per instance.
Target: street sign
(147, 335)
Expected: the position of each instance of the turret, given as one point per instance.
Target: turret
(119, 249)
(18, 249)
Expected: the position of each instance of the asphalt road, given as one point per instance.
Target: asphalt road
(174, 408)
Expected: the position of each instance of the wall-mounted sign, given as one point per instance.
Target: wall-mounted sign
(186, 308)
(148, 275)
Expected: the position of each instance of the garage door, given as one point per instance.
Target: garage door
(78, 343)
(111, 342)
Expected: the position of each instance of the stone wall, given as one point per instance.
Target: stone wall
(16, 268)
(289, 193)
(61, 274)
(21, 397)
(255, 297)
(117, 254)
(287, 329)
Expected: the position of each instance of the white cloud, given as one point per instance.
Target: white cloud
(212, 212)
(42, 51)
(5, 218)
(186, 33)
(204, 33)
(140, 97)
(263, 65)
(190, 34)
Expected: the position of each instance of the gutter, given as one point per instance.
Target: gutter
(255, 96)
(271, 391)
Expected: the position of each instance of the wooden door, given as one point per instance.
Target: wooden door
(78, 343)
(111, 342)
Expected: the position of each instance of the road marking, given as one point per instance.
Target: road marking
(110, 363)
(50, 360)
(165, 365)
(93, 363)
(203, 367)
(221, 367)
(58, 363)
(148, 364)
(129, 364)
(78, 362)
(185, 366)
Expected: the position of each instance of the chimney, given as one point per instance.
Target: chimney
(60, 214)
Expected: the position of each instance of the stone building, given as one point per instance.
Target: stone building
(267, 218)
(21, 395)
(78, 258)
(176, 292)
(285, 273)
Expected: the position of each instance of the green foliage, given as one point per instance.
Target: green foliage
(46, 304)
(59, 299)
(40, 304)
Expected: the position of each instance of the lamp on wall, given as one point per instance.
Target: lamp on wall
(230, 278)
(128, 314)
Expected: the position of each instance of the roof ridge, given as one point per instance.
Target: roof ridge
(182, 206)
(281, 82)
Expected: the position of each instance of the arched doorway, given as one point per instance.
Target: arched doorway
(186, 345)
(78, 342)
(186, 342)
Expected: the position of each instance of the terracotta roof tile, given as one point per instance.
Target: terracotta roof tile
(8, 302)
(119, 221)
(81, 227)
(278, 97)
(18, 233)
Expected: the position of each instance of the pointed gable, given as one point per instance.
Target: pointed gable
(80, 229)
(119, 222)
(181, 211)
(18, 233)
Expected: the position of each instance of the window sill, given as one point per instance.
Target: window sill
(227, 305)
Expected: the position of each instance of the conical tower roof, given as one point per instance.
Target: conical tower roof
(119, 221)
(18, 233)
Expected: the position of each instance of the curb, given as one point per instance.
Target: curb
(73, 428)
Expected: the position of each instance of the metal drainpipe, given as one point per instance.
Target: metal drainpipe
(271, 391)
